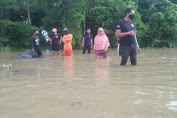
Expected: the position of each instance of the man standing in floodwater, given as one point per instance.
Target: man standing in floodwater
(87, 41)
(125, 31)
(35, 43)
(55, 41)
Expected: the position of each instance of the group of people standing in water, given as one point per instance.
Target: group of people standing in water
(101, 43)
(125, 33)
(55, 41)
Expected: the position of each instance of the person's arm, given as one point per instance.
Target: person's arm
(120, 34)
(139, 49)
(83, 42)
(63, 39)
(50, 40)
(106, 48)
(71, 38)
(94, 46)
(60, 40)
(91, 43)
(117, 42)
(32, 43)
(107, 45)
(136, 42)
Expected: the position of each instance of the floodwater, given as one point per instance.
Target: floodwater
(83, 86)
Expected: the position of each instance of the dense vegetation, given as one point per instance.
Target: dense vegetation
(156, 20)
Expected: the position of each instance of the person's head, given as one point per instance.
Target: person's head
(129, 13)
(54, 30)
(66, 30)
(36, 32)
(88, 31)
(100, 31)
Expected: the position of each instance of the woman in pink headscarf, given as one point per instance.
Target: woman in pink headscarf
(101, 44)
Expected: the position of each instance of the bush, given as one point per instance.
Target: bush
(15, 35)
(162, 25)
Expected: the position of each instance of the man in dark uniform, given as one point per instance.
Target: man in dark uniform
(125, 31)
(35, 43)
(87, 41)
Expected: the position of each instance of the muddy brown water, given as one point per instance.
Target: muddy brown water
(83, 86)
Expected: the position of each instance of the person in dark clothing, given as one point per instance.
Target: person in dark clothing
(35, 43)
(87, 41)
(55, 41)
(125, 31)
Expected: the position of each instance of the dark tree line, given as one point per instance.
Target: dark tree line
(156, 20)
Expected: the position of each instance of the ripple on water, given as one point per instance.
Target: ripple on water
(172, 105)
(84, 84)
(138, 102)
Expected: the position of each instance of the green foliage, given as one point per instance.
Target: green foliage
(15, 34)
(72, 18)
(174, 1)
(107, 13)
(143, 8)
(155, 20)
(162, 25)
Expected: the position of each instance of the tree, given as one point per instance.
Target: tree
(155, 20)
(162, 30)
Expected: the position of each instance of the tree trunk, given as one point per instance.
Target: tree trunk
(28, 12)
(1, 12)
(84, 21)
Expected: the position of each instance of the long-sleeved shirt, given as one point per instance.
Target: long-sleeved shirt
(34, 41)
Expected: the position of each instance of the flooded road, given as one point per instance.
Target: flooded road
(83, 86)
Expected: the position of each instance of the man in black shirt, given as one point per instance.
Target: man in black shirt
(35, 43)
(87, 41)
(55, 41)
(125, 31)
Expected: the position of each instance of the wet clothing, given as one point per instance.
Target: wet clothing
(87, 39)
(55, 42)
(126, 51)
(101, 43)
(38, 50)
(127, 44)
(87, 42)
(86, 48)
(126, 26)
(28, 55)
(102, 53)
(67, 45)
(35, 44)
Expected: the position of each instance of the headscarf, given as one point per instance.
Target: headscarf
(101, 41)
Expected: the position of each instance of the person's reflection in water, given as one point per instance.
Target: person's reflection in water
(68, 69)
(101, 68)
